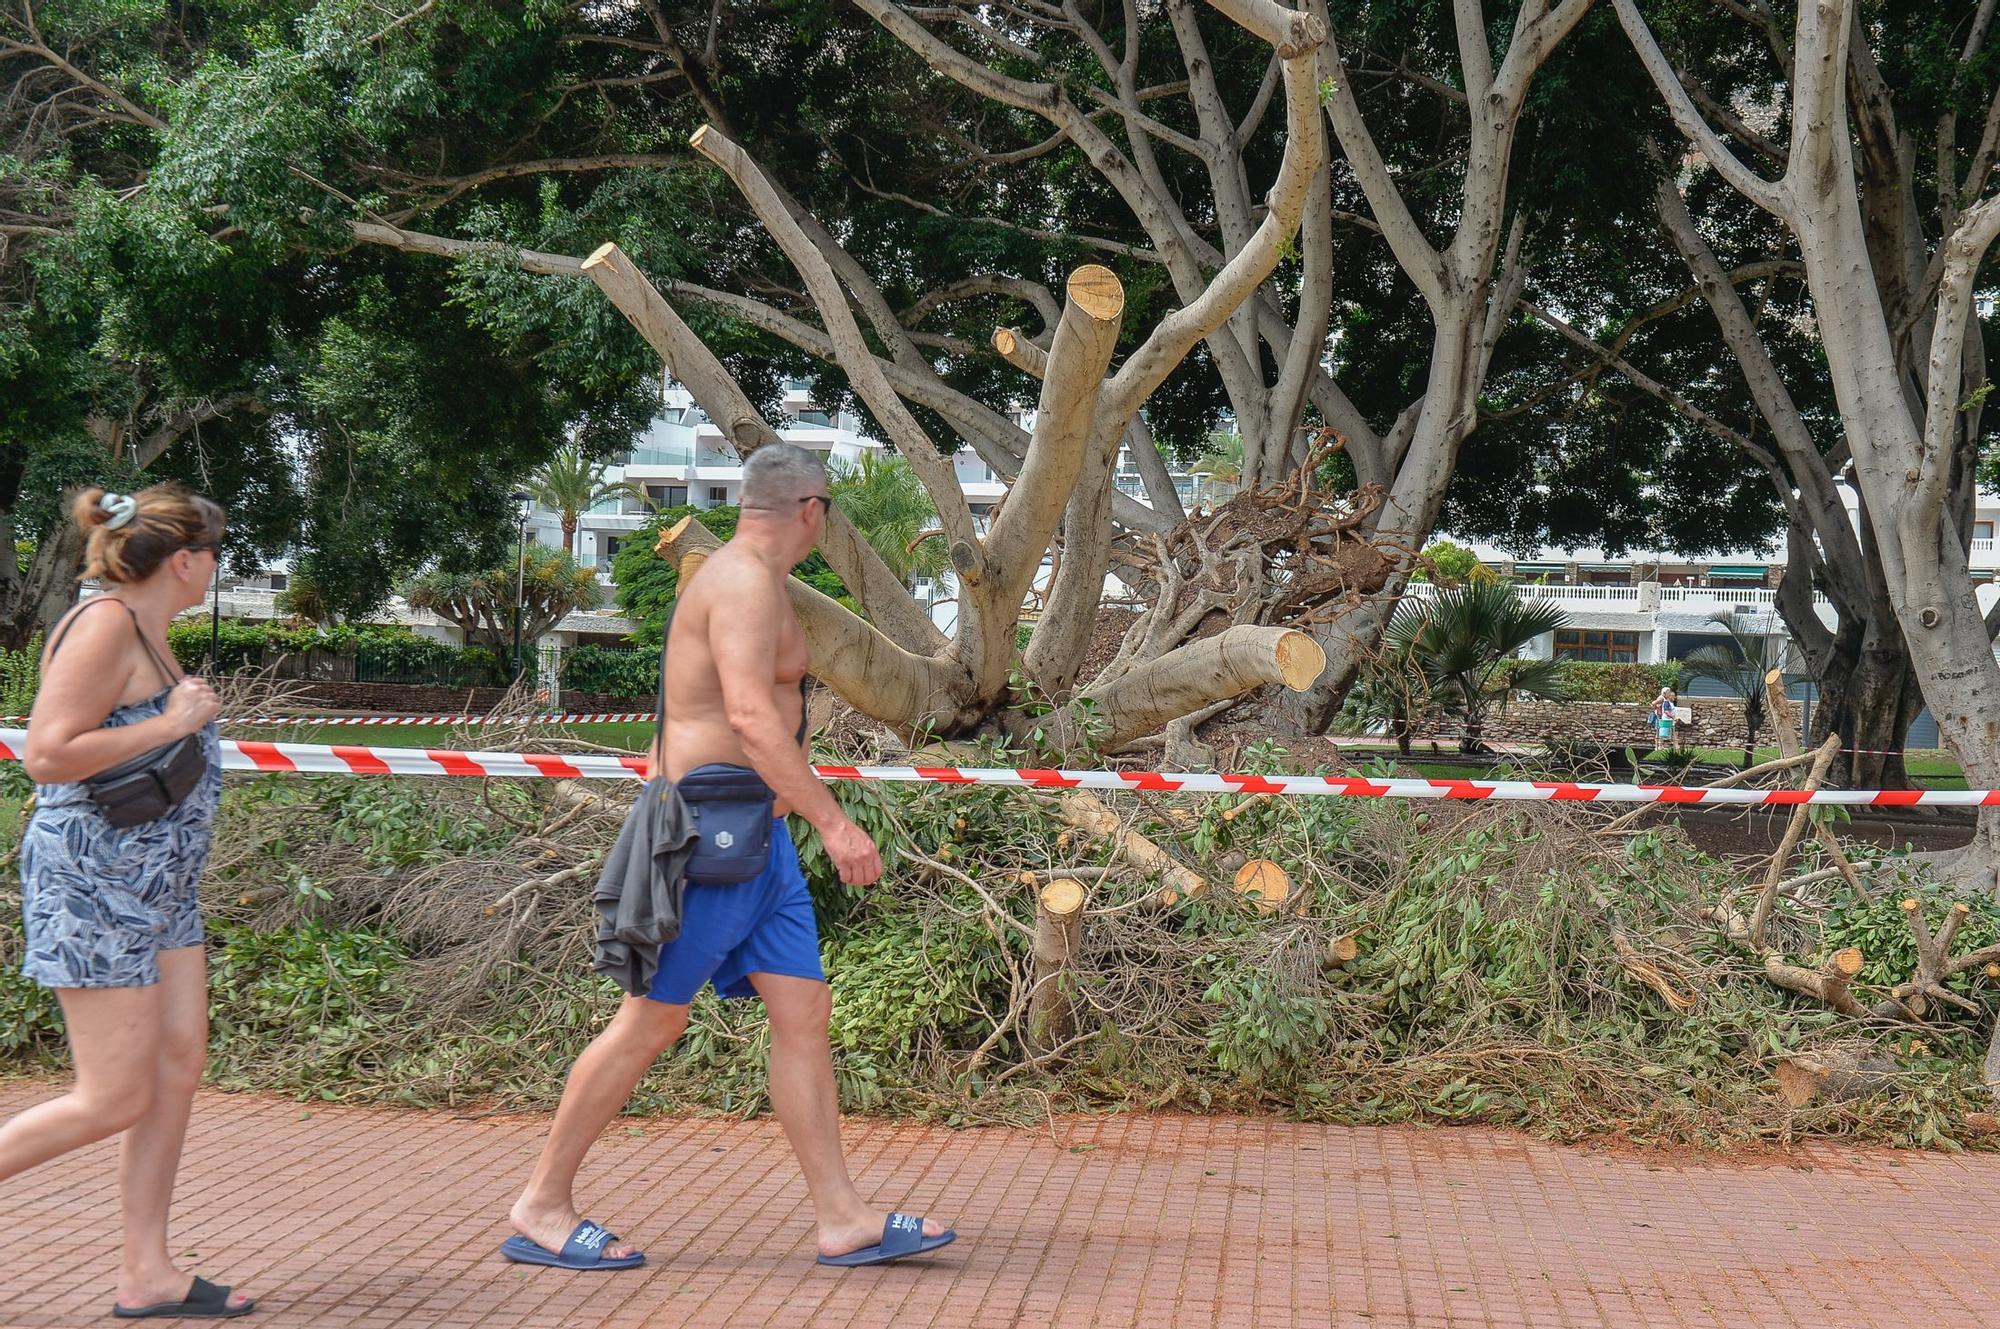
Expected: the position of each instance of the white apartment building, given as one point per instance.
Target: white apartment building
(1644, 606)
(683, 458)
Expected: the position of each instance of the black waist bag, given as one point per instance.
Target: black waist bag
(731, 807)
(149, 786)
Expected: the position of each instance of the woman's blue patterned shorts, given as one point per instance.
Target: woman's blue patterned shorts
(99, 903)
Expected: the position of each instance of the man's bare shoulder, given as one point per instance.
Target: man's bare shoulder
(734, 577)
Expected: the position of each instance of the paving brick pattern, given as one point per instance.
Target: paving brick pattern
(344, 1217)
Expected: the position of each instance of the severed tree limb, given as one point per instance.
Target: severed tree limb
(691, 363)
(1182, 681)
(1760, 918)
(1088, 813)
(1074, 378)
(1830, 985)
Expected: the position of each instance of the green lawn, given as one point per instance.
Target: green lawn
(630, 737)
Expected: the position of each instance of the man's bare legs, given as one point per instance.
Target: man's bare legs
(598, 1088)
(803, 1095)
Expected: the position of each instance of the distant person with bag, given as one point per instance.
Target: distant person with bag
(123, 750)
(704, 886)
(1666, 718)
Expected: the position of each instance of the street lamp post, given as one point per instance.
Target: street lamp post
(520, 572)
(215, 621)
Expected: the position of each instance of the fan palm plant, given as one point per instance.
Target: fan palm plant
(571, 484)
(1739, 663)
(1461, 642)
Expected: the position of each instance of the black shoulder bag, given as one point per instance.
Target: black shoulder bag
(149, 786)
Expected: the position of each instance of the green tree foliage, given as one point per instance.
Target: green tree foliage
(482, 603)
(1449, 564)
(648, 584)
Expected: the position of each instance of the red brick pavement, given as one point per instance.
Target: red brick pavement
(380, 1220)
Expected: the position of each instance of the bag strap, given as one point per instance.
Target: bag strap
(660, 706)
(62, 634)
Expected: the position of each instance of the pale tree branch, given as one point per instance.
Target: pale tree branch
(1078, 356)
(690, 362)
(1772, 196)
(1308, 341)
(1159, 481)
(1739, 129)
(987, 283)
(851, 349)
(1475, 53)
(1238, 280)
(1413, 252)
(1965, 250)
(1267, 89)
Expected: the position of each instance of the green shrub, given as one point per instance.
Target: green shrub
(1594, 680)
(611, 672)
(20, 677)
(381, 653)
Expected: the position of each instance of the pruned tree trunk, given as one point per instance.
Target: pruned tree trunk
(1058, 936)
(1908, 422)
(898, 668)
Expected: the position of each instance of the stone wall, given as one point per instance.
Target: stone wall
(1718, 722)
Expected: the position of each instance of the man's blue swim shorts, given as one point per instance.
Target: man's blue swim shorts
(729, 932)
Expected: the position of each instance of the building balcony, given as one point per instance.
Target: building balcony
(683, 472)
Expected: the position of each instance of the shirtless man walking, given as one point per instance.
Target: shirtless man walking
(736, 655)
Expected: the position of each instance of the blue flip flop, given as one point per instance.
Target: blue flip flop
(584, 1250)
(902, 1235)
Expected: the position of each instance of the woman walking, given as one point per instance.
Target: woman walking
(123, 751)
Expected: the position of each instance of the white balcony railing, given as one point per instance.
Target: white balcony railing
(1716, 595)
(1599, 595)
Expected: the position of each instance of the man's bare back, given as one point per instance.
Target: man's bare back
(732, 594)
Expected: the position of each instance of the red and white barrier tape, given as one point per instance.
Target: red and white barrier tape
(317, 759)
(393, 721)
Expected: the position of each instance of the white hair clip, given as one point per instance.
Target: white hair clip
(122, 507)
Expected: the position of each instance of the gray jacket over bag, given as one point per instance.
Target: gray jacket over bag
(639, 893)
(716, 823)
(644, 880)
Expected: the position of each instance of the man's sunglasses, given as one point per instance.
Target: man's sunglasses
(819, 498)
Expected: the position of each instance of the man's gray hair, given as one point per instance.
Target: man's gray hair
(778, 475)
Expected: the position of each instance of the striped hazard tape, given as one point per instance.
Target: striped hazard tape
(318, 759)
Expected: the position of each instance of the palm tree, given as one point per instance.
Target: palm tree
(884, 500)
(1391, 688)
(572, 484)
(1740, 665)
(1461, 642)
